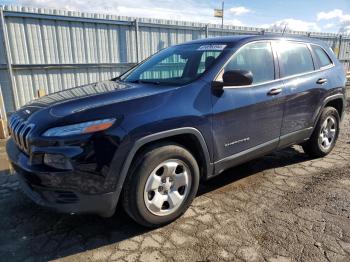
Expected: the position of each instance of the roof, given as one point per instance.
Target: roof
(249, 38)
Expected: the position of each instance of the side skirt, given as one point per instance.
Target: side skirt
(245, 156)
(261, 150)
(295, 137)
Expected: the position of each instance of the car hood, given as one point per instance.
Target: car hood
(89, 96)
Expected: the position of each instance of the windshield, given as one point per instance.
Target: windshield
(175, 65)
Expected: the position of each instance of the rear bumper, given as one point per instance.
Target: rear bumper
(63, 199)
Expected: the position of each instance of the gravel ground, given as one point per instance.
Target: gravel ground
(282, 207)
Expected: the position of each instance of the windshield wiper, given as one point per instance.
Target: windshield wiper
(139, 81)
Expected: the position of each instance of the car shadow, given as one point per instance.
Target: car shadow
(30, 232)
(281, 158)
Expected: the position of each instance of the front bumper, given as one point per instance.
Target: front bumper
(44, 187)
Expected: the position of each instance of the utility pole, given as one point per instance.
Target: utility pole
(220, 14)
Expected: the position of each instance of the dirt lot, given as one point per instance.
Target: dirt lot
(283, 207)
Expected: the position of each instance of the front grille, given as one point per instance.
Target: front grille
(20, 131)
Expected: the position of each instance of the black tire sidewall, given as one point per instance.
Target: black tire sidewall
(150, 161)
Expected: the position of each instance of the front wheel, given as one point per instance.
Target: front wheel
(162, 185)
(325, 134)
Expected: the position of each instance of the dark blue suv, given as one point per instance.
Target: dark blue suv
(187, 113)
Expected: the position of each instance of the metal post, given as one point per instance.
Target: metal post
(339, 49)
(137, 40)
(3, 120)
(206, 31)
(8, 58)
(222, 17)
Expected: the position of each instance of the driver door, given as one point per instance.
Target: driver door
(247, 119)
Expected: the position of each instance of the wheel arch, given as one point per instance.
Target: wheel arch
(338, 104)
(189, 137)
(337, 101)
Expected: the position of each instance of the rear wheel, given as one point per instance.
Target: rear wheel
(325, 134)
(162, 185)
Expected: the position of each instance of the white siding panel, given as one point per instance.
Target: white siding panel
(2, 48)
(54, 81)
(91, 43)
(94, 75)
(102, 43)
(17, 39)
(6, 91)
(81, 77)
(68, 79)
(40, 81)
(64, 42)
(113, 43)
(34, 41)
(24, 86)
(50, 42)
(345, 49)
(78, 42)
(84, 38)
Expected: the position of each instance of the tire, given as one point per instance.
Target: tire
(327, 129)
(153, 194)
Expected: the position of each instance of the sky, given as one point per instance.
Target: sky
(301, 15)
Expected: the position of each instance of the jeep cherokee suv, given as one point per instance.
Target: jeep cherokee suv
(187, 113)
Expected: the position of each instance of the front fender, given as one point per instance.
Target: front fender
(124, 168)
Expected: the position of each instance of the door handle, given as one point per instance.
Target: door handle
(274, 91)
(321, 81)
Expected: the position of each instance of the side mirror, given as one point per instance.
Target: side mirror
(234, 78)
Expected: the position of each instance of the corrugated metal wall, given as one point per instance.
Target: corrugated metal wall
(5, 86)
(54, 49)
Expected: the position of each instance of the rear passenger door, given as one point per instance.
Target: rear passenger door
(247, 119)
(304, 87)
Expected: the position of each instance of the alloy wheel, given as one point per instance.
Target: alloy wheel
(327, 133)
(167, 187)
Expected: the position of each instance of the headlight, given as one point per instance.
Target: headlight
(81, 128)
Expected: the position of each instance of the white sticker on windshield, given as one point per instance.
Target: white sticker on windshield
(211, 47)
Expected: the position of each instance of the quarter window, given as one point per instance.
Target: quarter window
(294, 58)
(257, 58)
(322, 56)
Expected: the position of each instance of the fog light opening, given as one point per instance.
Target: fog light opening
(57, 161)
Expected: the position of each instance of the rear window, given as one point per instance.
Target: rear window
(295, 58)
(322, 56)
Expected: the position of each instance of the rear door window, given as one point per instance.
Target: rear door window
(294, 58)
(322, 56)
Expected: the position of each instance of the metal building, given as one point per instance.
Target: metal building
(52, 50)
